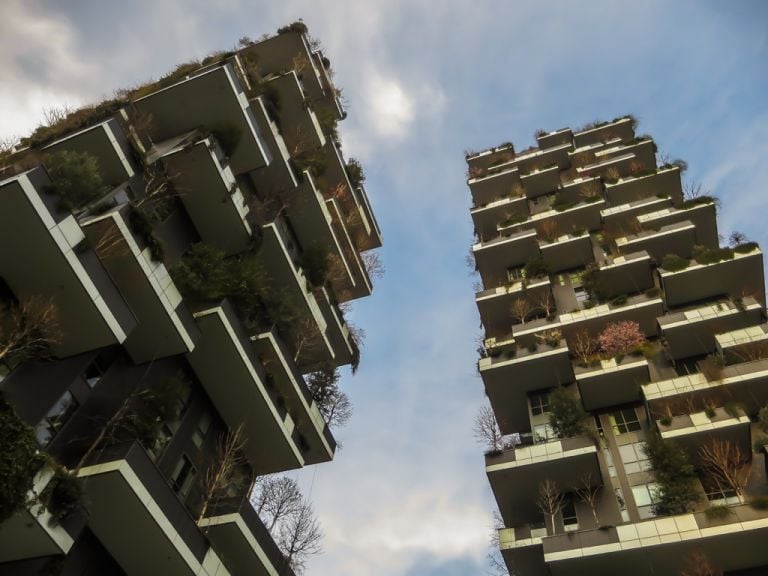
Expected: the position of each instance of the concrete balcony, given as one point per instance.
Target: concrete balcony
(701, 214)
(692, 332)
(33, 532)
(282, 373)
(331, 94)
(538, 159)
(298, 123)
(491, 187)
(375, 240)
(744, 344)
(690, 431)
(626, 274)
(278, 255)
(622, 216)
(515, 474)
(229, 369)
(522, 549)
(734, 277)
(610, 382)
(279, 175)
(662, 545)
(40, 241)
(539, 182)
(357, 283)
(622, 166)
(494, 303)
(242, 541)
(567, 252)
(745, 383)
(509, 376)
(125, 492)
(485, 161)
(486, 218)
(584, 215)
(107, 143)
(678, 238)
(639, 308)
(344, 347)
(643, 151)
(165, 327)
(215, 99)
(666, 182)
(554, 138)
(206, 186)
(494, 257)
(621, 128)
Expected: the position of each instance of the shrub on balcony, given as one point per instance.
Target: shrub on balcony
(653, 292)
(228, 136)
(20, 462)
(535, 268)
(75, 178)
(674, 263)
(745, 247)
(566, 414)
(712, 367)
(620, 338)
(298, 26)
(355, 172)
(675, 476)
(63, 494)
(704, 255)
(718, 512)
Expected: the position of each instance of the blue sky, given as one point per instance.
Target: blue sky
(407, 495)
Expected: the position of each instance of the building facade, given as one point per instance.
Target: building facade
(624, 359)
(173, 264)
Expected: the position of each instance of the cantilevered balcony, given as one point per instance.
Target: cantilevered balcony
(691, 431)
(242, 541)
(538, 158)
(701, 214)
(487, 188)
(215, 100)
(622, 166)
(107, 143)
(229, 369)
(662, 545)
(509, 376)
(298, 123)
(283, 374)
(620, 128)
(356, 283)
(643, 150)
(554, 138)
(278, 255)
(331, 95)
(666, 182)
(735, 277)
(40, 241)
(622, 216)
(361, 196)
(745, 343)
(540, 181)
(494, 257)
(494, 304)
(692, 332)
(206, 186)
(279, 175)
(563, 218)
(678, 238)
(626, 274)
(745, 383)
(33, 532)
(567, 252)
(486, 218)
(341, 339)
(482, 162)
(611, 382)
(515, 474)
(639, 308)
(165, 327)
(126, 494)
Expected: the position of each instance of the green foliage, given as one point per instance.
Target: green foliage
(141, 226)
(745, 247)
(63, 494)
(333, 404)
(298, 26)
(674, 263)
(73, 121)
(719, 512)
(535, 268)
(653, 292)
(75, 177)
(566, 414)
(149, 408)
(328, 123)
(561, 204)
(20, 462)
(314, 262)
(704, 255)
(204, 273)
(355, 172)
(314, 160)
(619, 300)
(675, 475)
(592, 283)
(698, 201)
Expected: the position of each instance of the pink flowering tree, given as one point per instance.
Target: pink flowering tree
(621, 338)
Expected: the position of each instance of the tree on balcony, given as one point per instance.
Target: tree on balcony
(550, 501)
(521, 309)
(75, 178)
(566, 414)
(333, 403)
(221, 475)
(620, 338)
(589, 492)
(726, 464)
(675, 476)
(697, 563)
(583, 346)
(487, 432)
(28, 329)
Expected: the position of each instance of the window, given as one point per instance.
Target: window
(96, 369)
(183, 476)
(515, 274)
(719, 495)
(570, 520)
(198, 436)
(56, 417)
(539, 527)
(543, 433)
(634, 458)
(646, 495)
(539, 403)
(625, 421)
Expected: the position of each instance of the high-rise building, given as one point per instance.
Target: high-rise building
(625, 360)
(173, 264)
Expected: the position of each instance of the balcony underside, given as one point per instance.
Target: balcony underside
(619, 384)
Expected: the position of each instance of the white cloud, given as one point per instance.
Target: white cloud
(389, 107)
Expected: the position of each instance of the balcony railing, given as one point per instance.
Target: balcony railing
(665, 182)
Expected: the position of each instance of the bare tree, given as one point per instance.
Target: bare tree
(588, 493)
(495, 560)
(735, 238)
(373, 264)
(299, 537)
(471, 261)
(110, 243)
(549, 230)
(160, 187)
(590, 189)
(275, 498)
(29, 330)
(583, 345)
(751, 351)
(219, 476)
(486, 429)
(56, 114)
(697, 563)
(520, 309)
(333, 404)
(546, 301)
(550, 501)
(726, 464)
